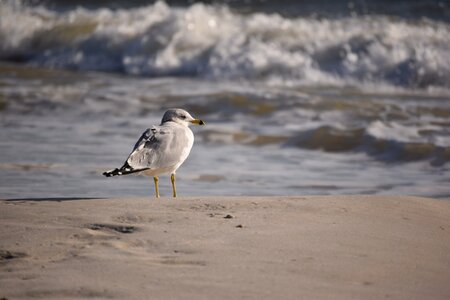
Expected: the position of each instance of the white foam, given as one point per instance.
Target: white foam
(406, 133)
(214, 42)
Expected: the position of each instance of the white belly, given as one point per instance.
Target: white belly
(182, 157)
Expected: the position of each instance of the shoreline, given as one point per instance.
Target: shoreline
(311, 247)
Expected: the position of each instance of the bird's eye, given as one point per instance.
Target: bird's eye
(183, 117)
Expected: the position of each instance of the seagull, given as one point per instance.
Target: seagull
(161, 149)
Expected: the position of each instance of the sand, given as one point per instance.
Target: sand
(312, 247)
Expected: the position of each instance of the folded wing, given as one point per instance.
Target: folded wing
(157, 148)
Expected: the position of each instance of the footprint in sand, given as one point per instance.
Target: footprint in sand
(6, 255)
(132, 219)
(112, 227)
(208, 207)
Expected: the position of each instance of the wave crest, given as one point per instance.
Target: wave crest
(215, 42)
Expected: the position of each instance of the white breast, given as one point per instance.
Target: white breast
(186, 150)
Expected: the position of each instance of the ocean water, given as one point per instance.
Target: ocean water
(299, 98)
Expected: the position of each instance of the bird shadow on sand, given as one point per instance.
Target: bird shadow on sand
(53, 199)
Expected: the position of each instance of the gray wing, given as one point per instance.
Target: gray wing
(146, 136)
(158, 147)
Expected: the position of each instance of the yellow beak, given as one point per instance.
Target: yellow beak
(197, 122)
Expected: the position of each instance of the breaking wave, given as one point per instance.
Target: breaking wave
(214, 42)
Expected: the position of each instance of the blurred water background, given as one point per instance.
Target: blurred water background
(300, 97)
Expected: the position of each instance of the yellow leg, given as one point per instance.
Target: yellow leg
(155, 179)
(174, 187)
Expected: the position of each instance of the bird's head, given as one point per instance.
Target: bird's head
(180, 116)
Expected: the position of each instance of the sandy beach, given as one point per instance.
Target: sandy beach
(323, 98)
(311, 247)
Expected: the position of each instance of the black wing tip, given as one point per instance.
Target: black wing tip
(125, 170)
(112, 173)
